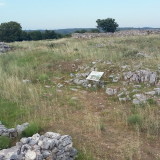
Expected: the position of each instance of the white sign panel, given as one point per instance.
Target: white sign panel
(95, 76)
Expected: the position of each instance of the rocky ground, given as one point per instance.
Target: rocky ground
(115, 118)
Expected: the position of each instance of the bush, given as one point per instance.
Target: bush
(32, 129)
(135, 119)
(130, 53)
(43, 78)
(5, 142)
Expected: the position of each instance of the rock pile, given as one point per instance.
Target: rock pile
(4, 47)
(141, 76)
(12, 132)
(118, 34)
(50, 146)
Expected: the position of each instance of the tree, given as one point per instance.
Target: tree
(25, 36)
(81, 31)
(50, 35)
(35, 35)
(94, 31)
(107, 25)
(10, 31)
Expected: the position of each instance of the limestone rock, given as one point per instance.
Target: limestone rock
(141, 76)
(139, 99)
(111, 91)
(22, 127)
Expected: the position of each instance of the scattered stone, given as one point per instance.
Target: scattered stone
(139, 99)
(137, 86)
(125, 67)
(152, 93)
(72, 75)
(124, 99)
(143, 55)
(111, 91)
(4, 48)
(48, 146)
(74, 89)
(47, 86)
(157, 90)
(94, 63)
(135, 90)
(59, 85)
(116, 79)
(26, 81)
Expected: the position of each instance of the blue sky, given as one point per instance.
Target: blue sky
(58, 14)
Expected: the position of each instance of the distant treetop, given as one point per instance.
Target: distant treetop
(107, 25)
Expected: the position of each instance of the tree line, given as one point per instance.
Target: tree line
(12, 31)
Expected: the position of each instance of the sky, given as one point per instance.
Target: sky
(61, 14)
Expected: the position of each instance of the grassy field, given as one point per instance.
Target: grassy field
(102, 128)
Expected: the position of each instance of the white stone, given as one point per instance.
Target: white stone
(152, 93)
(111, 91)
(30, 155)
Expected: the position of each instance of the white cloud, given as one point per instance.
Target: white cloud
(2, 4)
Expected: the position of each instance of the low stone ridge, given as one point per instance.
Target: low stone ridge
(118, 34)
(141, 76)
(4, 47)
(50, 146)
(12, 132)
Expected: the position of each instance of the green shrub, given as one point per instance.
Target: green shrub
(5, 142)
(151, 101)
(135, 119)
(32, 129)
(43, 78)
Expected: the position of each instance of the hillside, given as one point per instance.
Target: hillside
(118, 118)
(72, 30)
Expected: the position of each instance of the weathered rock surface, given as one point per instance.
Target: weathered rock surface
(50, 146)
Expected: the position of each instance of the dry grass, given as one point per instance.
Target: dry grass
(97, 123)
